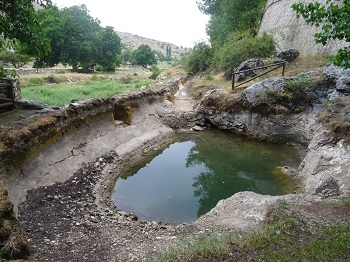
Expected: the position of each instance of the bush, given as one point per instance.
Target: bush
(35, 81)
(155, 72)
(54, 79)
(200, 58)
(238, 49)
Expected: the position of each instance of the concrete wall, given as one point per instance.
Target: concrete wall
(289, 32)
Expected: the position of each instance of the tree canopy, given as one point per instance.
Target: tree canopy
(78, 40)
(228, 16)
(334, 18)
(21, 29)
(143, 56)
(232, 29)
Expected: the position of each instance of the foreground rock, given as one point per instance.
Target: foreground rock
(287, 110)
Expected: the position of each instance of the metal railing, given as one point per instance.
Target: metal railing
(276, 66)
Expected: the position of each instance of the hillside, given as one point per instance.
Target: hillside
(134, 41)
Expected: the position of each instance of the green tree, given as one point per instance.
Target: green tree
(20, 29)
(125, 54)
(334, 18)
(200, 58)
(108, 49)
(144, 56)
(168, 52)
(78, 40)
(53, 26)
(159, 55)
(14, 58)
(80, 34)
(228, 16)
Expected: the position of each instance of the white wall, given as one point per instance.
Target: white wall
(280, 20)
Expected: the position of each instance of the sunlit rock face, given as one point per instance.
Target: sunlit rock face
(280, 20)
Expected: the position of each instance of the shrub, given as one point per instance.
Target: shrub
(54, 79)
(200, 58)
(35, 81)
(155, 72)
(238, 49)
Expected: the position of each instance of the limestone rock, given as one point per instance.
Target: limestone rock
(288, 55)
(247, 65)
(257, 91)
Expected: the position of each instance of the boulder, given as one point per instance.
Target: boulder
(287, 55)
(256, 92)
(247, 65)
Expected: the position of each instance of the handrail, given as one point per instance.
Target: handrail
(278, 65)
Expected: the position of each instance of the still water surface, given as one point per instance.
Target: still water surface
(189, 177)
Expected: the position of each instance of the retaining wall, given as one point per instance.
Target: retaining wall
(280, 20)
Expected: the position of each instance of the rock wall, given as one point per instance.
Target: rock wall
(280, 20)
(10, 91)
(325, 168)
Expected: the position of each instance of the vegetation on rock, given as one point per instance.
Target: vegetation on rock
(304, 234)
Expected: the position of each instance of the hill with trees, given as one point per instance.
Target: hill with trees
(132, 42)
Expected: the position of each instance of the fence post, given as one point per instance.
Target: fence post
(233, 80)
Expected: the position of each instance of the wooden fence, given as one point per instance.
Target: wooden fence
(274, 67)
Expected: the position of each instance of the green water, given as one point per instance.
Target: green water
(189, 177)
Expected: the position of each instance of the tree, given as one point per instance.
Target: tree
(21, 29)
(159, 55)
(108, 49)
(200, 58)
(333, 17)
(125, 54)
(144, 56)
(168, 52)
(228, 16)
(14, 58)
(53, 26)
(78, 40)
(80, 32)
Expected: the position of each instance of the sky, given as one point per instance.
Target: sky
(175, 21)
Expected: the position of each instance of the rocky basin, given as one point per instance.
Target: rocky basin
(60, 165)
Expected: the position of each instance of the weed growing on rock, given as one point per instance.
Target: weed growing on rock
(335, 116)
(288, 233)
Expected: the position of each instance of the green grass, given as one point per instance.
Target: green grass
(61, 94)
(287, 236)
(214, 246)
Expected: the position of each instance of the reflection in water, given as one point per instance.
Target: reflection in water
(189, 177)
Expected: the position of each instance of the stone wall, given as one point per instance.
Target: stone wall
(32, 71)
(280, 20)
(9, 92)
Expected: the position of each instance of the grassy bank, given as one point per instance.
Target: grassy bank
(58, 94)
(288, 235)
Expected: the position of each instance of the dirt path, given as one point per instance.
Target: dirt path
(182, 101)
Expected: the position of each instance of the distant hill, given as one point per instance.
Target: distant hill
(134, 41)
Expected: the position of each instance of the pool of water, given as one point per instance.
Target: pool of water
(189, 177)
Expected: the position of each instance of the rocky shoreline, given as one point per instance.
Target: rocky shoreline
(65, 206)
